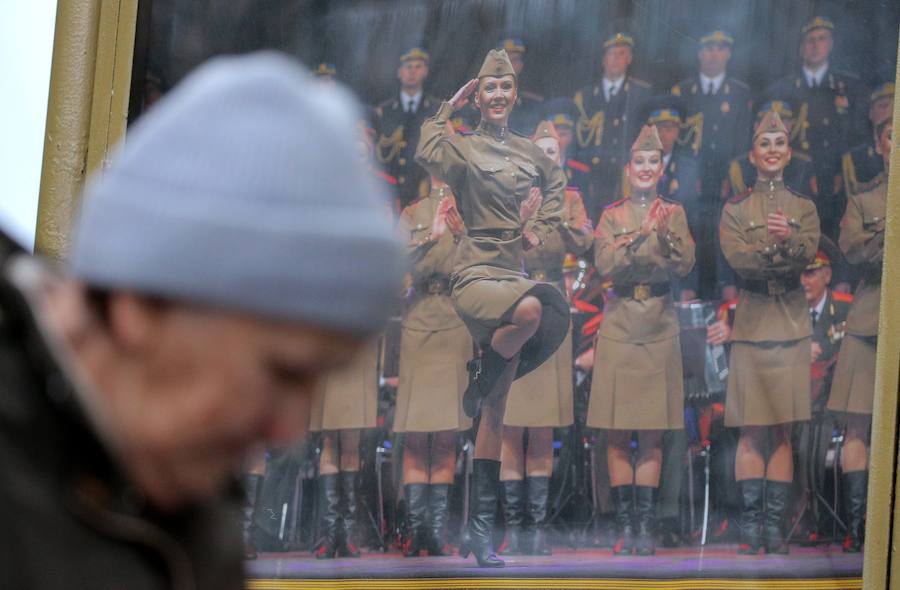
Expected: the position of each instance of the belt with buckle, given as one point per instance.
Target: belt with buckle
(507, 235)
(433, 286)
(642, 291)
(546, 276)
(772, 286)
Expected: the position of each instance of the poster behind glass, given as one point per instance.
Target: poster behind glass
(718, 240)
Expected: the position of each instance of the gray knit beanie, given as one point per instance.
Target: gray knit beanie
(242, 188)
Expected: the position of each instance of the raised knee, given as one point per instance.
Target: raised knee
(528, 312)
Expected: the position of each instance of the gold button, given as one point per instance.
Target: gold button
(595, 160)
(401, 180)
(402, 161)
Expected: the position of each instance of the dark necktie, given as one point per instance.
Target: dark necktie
(814, 315)
(710, 89)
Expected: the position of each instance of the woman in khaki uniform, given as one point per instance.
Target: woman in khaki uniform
(853, 388)
(768, 235)
(641, 242)
(501, 180)
(345, 402)
(542, 400)
(434, 348)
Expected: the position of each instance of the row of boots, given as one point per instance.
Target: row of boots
(427, 513)
(338, 510)
(635, 516)
(526, 532)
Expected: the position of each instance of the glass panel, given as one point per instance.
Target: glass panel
(713, 397)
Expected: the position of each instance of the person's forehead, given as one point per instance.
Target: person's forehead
(772, 135)
(644, 153)
(497, 80)
(714, 45)
(817, 34)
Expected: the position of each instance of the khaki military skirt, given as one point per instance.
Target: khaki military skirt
(543, 398)
(485, 298)
(433, 379)
(853, 386)
(768, 383)
(348, 398)
(637, 386)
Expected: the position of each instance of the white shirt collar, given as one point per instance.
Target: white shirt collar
(820, 306)
(716, 82)
(666, 159)
(608, 85)
(815, 76)
(415, 99)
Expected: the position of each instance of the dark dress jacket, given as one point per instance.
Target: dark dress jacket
(69, 518)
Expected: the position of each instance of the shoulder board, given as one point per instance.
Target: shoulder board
(741, 196)
(532, 95)
(578, 165)
(668, 200)
(573, 189)
(849, 76)
(639, 82)
(464, 132)
(797, 193)
(739, 83)
(615, 203)
(522, 135)
(843, 297)
(802, 156)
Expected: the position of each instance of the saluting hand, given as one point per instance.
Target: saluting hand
(461, 98)
(778, 226)
(530, 205)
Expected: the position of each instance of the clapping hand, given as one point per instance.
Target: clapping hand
(530, 205)
(778, 226)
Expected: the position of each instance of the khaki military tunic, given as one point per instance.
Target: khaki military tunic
(544, 398)
(638, 380)
(491, 172)
(862, 242)
(434, 343)
(348, 398)
(768, 379)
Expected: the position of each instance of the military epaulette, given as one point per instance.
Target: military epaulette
(639, 82)
(848, 75)
(741, 196)
(574, 189)
(533, 95)
(797, 192)
(580, 166)
(522, 135)
(616, 203)
(739, 83)
(385, 177)
(668, 200)
(843, 297)
(465, 132)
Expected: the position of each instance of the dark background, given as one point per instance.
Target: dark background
(364, 38)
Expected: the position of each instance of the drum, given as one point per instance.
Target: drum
(705, 365)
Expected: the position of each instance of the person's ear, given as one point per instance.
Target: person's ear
(790, 154)
(133, 321)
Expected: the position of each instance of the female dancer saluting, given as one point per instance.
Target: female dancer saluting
(501, 180)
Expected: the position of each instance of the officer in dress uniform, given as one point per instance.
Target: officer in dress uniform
(562, 113)
(828, 313)
(528, 111)
(830, 115)
(853, 389)
(717, 117)
(768, 235)
(398, 121)
(607, 122)
(862, 164)
(640, 243)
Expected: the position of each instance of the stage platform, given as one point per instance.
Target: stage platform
(713, 567)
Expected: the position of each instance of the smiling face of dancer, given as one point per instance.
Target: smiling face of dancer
(771, 153)
(643, 170)
(495, 98)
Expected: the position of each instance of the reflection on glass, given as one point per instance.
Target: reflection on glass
(714, 394)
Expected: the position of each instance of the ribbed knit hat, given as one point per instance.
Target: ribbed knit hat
(242, 188)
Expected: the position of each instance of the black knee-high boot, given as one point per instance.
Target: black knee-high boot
(751, 516)
(416, 507)
(645, 508)
(538, 499)
(347, 545)
(484, 372)
(439, 508)
(773, 526)
(482, 508)
(329, 507)
(855, 489)
(514, 514)
(252, 483)
(623, 500)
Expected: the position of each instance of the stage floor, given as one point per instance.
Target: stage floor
(715, 566)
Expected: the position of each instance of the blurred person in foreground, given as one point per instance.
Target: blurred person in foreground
(184, 329)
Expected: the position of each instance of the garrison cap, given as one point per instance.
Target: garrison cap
(619, 39)
(415, 53)
(545, 129)
(883, 90)
(827, 254)
(512, 45)
(718, 37)
(496, 64)
(648, 140)
(771, 123)
(561, 111)
(782, 107)
(817, 22)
